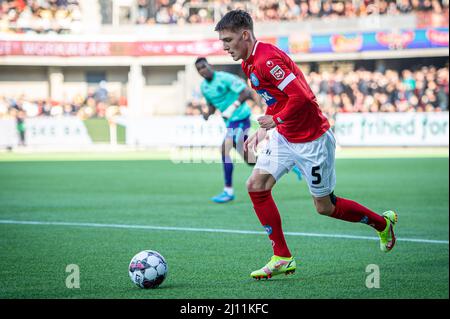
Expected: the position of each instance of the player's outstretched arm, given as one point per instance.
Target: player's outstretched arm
(245, 95)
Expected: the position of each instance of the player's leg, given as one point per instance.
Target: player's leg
(227, 163)
(318, 160)
(296, 170)
(351, 211)
(259, 186)
(271, 165)
(249, 157)
(348, 210)
(241, 133)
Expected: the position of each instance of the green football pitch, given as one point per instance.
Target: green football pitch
(98, 213)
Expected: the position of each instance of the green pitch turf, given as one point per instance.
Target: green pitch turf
(211, 264)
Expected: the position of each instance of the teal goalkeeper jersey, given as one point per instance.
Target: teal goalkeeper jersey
(222, 91)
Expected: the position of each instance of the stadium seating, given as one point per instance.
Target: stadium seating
(180, 11)
(65, 16)
(50, 16)
(421, 90)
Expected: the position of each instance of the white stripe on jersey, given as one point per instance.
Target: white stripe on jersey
(254, 49)
(286, 81)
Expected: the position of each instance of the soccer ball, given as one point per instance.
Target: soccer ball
(148, 269)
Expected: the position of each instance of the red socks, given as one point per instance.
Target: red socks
(345, 209)
(268, 215)
(351, 211)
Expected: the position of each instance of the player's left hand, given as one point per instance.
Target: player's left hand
(266, 122)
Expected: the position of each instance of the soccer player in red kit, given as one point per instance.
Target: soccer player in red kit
(302, 137)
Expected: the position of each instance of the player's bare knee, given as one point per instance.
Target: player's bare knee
(255, 184)
(323, 208)
(226, 151)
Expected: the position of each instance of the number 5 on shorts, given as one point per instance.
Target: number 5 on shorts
(316, 174)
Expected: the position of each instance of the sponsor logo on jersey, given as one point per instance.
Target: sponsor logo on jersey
(277, 72)
(254, 79)
(268, 229)
(364, 220)
(269, 99)
(269, 64)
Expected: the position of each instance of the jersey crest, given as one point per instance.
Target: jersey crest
(277, 72)
(254, 79)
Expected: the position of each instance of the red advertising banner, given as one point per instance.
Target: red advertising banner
(92, 49)
(204, 47)
(333, 43)
(65, 49)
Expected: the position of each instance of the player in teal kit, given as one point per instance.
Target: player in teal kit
(228, 93)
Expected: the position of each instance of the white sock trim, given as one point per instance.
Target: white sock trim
(229, 190)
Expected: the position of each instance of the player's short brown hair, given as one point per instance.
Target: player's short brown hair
(235, 20)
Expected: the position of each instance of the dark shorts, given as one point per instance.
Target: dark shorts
(238, 131)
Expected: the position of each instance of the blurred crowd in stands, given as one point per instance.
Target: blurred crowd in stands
(422, 90)
(204, 11)
(40, 16)
(64, 16)
(97, 103)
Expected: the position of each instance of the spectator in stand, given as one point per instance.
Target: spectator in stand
(101, 94)
(64, 16)
(20, 124)
(40, 16)
(83, 107)
(410, 90)
(424, 89)
(198, 11)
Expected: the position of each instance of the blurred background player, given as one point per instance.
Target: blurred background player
(302, 137)
(227, 93)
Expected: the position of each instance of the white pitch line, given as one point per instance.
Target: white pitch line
(212, 230)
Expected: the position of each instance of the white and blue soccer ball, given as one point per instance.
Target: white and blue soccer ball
(148, 269)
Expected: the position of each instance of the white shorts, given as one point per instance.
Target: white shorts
(315, 160)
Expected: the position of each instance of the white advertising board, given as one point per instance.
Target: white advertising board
(178, 131)
(392, 129)
(46, 131)
(68, 130)
(9, 136)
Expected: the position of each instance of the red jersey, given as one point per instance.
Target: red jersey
(289, 99)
